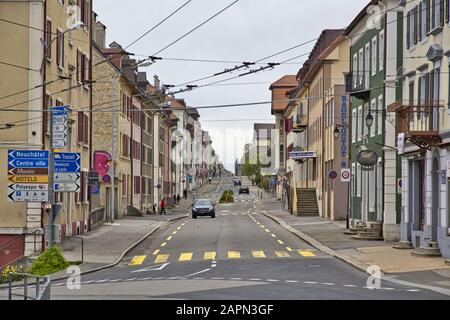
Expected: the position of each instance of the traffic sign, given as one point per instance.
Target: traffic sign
(28, 172)
(67, 172)
(59, 127)
(67, 187)
(28, 187)
(28, 196)
(28, 179)
(345, 175)
(67, 162)
(332, 175)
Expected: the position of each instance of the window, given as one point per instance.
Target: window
(358, 180)
(373, 111)
(361, 68)
(59, 48)
(137, 185)
(85, 10)
(124, 185)
(381, 49)
(83, 128)
(408, 30)
(355, 70)
(365, 129)
(374, 55)
(281, 154)
(359, 123)
(354, 126)
(83, 73)
(448, 74)
(415, 22)
(48, 38)
(427, 4)
(437, 14)
(353, 180)
(367, 67)
(447, 17)
(380, 113)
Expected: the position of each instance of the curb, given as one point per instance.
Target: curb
(318, 245)
(350, 261)
(125, 251)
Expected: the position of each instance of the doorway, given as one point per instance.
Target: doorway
(435, 194)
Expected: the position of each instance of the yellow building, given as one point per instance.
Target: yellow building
(34, 79)
(318, 156)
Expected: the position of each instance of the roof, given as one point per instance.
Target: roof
(359, 17)
(286, 81)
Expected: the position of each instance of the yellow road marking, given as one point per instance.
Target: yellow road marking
(289, 249)
(169, 238)
(137, 260)
(210, 256)
(156, 252)
(179, 228)
(282, 254)
(162, 258)
(274, 236)
(267, 230)
(186, 256)
(234, 254)
(306, 253)
(174, 233)
(258, 254)
(282, 243)
(164, 244)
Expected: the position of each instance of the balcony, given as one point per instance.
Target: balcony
(357, 85)
(301, 124)
(420, 121)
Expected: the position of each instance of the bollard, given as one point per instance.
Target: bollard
(10, 286)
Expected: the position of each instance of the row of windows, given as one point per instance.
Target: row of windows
(424, 18)
(359, 115)
(368, 61)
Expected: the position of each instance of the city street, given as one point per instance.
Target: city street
(239, 255)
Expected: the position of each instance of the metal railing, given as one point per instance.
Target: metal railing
(42, 286)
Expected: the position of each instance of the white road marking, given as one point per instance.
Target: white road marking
(216, 278)
(236, 279)
(413, 290)
(291, 281)
(158, 267)
(272, 280)
(131, 279)
(87, 282)
(349, 286)
(101, 281)
(254, 279)
(194, 274)
(328, 283)
(309, 282)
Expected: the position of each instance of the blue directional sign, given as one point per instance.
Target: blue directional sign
(67, 162)
(67, 169)
(59, 127)
(24, 168)
(28, 159)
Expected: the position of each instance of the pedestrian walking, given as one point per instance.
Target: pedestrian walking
(185, 194)
(178, 199)
(174, 199)
(162, 206)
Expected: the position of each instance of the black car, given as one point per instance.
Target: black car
(237, 182)
(203, 207)
(244, 190)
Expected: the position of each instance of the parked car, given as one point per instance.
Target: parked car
(203, 207)
(244, 190)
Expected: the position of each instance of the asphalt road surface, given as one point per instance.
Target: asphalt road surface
(239, 255)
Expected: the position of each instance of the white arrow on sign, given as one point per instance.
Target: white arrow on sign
(67, 177)
(152, 268)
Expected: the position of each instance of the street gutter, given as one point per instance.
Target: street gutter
(361, 266)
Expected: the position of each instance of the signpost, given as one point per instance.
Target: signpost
(67, 172)
(345, 175)
(59, 127)
(28, 174)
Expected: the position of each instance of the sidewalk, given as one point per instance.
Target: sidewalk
(329, 237)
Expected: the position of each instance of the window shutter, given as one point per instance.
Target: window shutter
(447, 11)
(408, 30)
(86, 129)
(86, 68)
(49, 39)
(419, 31)
(45, 116)
(433, 14)
(442, 12)
(428, 12)
(415, 24)
(80, 127)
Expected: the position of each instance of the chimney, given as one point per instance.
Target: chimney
(100, 34)
(156, 81)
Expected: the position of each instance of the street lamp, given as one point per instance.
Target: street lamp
(369, 120)
(336, 133)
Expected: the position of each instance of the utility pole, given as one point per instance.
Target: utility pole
(113, 148)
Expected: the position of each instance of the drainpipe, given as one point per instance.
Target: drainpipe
(90, 115)
(44, 70)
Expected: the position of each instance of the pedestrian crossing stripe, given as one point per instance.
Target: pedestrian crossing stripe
(162, 258)
(137, 260)
(234, 254)
(306, 253)
(209, 256)
(169, 238)
(281, 242)
(282, 254)
(186, 256)
(258, 254)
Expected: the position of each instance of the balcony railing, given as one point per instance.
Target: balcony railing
(358, 84)
(420, 121)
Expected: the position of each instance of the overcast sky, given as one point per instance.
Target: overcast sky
(248, 31)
